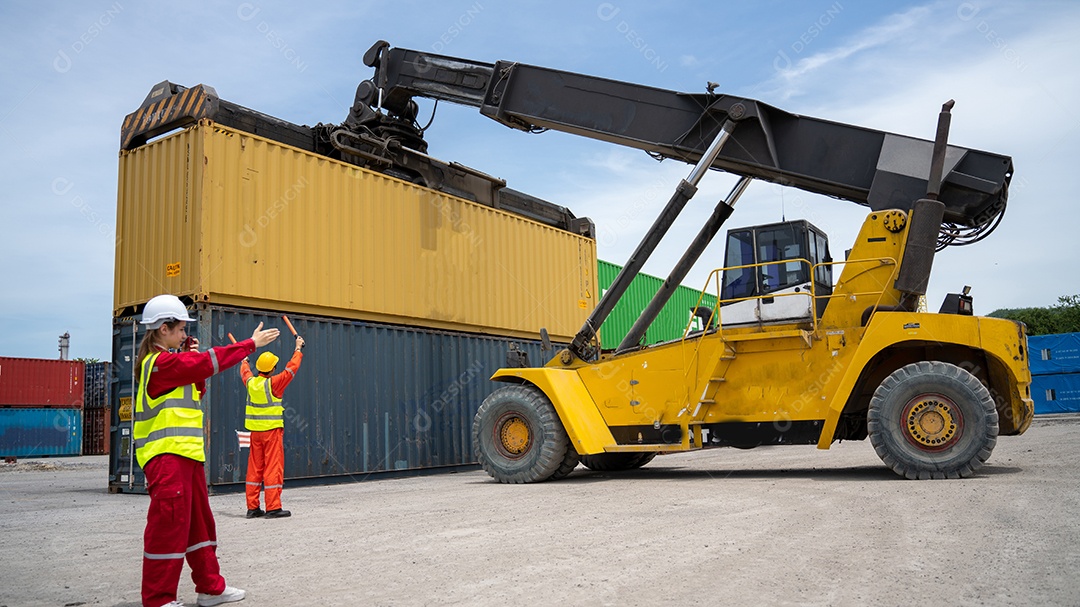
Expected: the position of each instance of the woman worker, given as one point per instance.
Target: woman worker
(168, 435)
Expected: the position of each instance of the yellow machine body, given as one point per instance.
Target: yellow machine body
(803, 382)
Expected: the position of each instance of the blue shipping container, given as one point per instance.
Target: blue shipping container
(369, 398)
(40, 432)
(1058, 393)
(1051, 354)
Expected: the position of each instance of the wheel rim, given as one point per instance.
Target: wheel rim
(513, 437)
(932, 422)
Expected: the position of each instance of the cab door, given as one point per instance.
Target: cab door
(768, 273)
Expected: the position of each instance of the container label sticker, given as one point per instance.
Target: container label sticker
(125, 408)
(581, 303)
(172, 269)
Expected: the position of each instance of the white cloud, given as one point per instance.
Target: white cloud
(689, 61)
(890, 29)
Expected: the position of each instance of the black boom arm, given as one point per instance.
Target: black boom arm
(869, 167)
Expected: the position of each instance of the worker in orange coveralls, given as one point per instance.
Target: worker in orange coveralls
(169, 446)
(266, 420)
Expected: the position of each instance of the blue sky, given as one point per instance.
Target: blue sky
(70, 72)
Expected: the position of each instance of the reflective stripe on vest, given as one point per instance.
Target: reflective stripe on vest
(170, 423)
(264, 410)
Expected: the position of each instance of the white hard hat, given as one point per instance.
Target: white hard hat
(162, 309)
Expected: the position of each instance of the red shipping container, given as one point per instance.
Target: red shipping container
(35, 382)
(96, 431)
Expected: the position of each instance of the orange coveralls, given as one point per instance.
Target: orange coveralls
(266, 455)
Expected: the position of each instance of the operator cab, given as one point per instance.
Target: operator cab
(775, 292)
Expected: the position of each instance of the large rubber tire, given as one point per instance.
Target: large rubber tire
(518, 438)
(932, 420)
(570, 461)
(615, 462)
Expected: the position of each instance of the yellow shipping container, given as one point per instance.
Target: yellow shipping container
(227, 217)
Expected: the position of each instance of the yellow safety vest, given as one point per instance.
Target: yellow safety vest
(264, 410)
(170, 423)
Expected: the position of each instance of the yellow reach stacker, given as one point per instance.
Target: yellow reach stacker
(801, 348)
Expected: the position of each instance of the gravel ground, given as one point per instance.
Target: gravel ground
(770, 526)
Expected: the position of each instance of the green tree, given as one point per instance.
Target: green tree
(1061, 318)
(1068, 310)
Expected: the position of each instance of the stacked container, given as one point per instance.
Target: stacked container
(41, 405)
(408, 298)
(96, 410)
(1055, 372)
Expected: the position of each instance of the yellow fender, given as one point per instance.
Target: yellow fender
(993, 336)
(578, 412)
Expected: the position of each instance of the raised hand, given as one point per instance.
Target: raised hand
(261, 338)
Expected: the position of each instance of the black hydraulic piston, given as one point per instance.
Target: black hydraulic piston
(683, 193)
(712, 225)
(914, 276)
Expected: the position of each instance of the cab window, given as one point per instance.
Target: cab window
(739, 282)
(778, 244)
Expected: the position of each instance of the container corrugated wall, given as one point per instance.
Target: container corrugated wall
(95, 436)
(34, 382)
(158, 227)
(669, 324)
(40, 432)
(231, 218)
(1056, 393)
(1054, 354)
(368, 398)
(96, 386)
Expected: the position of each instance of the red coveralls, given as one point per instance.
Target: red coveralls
(266, 455)
(180, 523)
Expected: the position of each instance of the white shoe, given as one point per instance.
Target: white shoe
(173, 604)
(229, 595)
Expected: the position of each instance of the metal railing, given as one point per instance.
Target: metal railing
(716, 321)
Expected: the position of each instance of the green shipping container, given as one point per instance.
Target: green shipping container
(672, 320)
